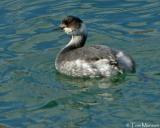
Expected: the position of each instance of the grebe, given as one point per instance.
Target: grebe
(89, 61)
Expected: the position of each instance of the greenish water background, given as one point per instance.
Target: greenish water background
(34, 95)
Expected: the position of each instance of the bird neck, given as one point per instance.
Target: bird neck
(76, 41)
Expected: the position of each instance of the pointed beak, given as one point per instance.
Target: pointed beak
(56, 28)
(60, 27)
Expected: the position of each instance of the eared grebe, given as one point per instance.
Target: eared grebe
(89, 61)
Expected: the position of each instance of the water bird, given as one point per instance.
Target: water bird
(78, 60)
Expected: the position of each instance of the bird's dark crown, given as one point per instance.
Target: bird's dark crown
(71, 20)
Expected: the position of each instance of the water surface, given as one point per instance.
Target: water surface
(34, 95)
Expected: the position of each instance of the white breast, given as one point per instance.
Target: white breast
(83, 68)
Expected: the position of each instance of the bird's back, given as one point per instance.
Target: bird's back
(88, 53)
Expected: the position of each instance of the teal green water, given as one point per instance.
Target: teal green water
(34, 95)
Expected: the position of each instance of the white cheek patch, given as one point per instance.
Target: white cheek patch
(76, 31)
(68, 30)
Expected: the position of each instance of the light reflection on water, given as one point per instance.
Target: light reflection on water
(33, 94)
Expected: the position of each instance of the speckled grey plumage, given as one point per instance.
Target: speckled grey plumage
(90, 55)
(87, 53)
(78, 60)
